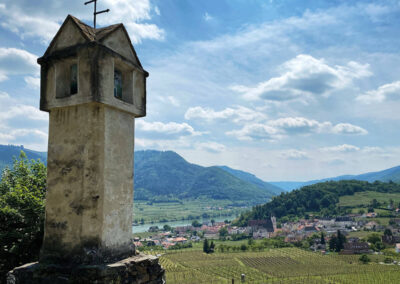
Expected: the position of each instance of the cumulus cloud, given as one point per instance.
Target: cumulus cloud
(139, 31)
(35, 21)
(32, 82)
(373, 150)
(347, 128)
(298, 125)
(341, 148)
(304, 77)
(28, 24)
(279, 128)
(256, 131)
(385, 92)
(293, 154)
(236, 114)
(212, 147)
(11, 111)
(170, 130)
(14, 61)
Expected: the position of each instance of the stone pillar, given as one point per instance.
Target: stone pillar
(93, 86)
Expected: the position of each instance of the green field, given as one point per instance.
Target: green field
(285, 265)
(184, 210)
(363, 199)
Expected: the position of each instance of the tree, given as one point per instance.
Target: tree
(212, 247)
(391, 203)
(223, 232)
(167, 228)
(22, 195)
(206, 247)
(374, 238)
(322, 238)
(341, 239)
(375, 203)
(196, 223)
(336, 243)
(364, 259)
(379, 246)
(387, 232)
(250, 242)
(212, 222)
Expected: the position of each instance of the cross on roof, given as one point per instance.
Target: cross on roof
(95, 12)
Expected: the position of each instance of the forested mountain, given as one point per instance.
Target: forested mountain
(253, 179)
(392, 174)
(8, 152)
(320, 199)
(166, 175)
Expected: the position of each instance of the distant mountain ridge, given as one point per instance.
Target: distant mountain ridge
(164, 175)
(391, 174)
(253, 179)
(9, 152)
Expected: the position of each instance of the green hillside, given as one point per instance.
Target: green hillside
(253, 180)
(166, 175)
(8, 152)
(321, 199)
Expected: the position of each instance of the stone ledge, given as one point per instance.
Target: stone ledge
(137, 269)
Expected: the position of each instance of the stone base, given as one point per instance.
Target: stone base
(137, 269)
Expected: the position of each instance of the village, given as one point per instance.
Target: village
(313, 234)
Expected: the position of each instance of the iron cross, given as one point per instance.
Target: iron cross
(95, 12)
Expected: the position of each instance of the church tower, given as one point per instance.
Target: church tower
(93, 86)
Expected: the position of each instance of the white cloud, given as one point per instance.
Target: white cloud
(41, 19)
(347, 128)
(212, 147)
(256, 131)
(28, 24)
(11, 132)
(279, 128)
(237, 114)
(170, 99)
(293, 154)
(157, 11)
(207, 17)
(10, 109)
(138, 31)
(169, 130)
(293, 125)
(14, 61)
(341, 148)
(372, 150)
(32, 82)
(385, 92)
(376, 11)
(163, 144)
(303, 77)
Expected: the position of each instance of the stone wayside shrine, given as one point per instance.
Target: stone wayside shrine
(93, 86)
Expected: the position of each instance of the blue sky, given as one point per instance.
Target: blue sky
(287, 90)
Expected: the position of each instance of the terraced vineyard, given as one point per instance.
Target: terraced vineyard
(286, 265)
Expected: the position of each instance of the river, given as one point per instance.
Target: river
(145, 227)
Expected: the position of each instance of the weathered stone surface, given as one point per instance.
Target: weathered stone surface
(137, 269)
(90, 179)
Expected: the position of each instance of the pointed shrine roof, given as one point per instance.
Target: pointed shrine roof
(91, 35)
